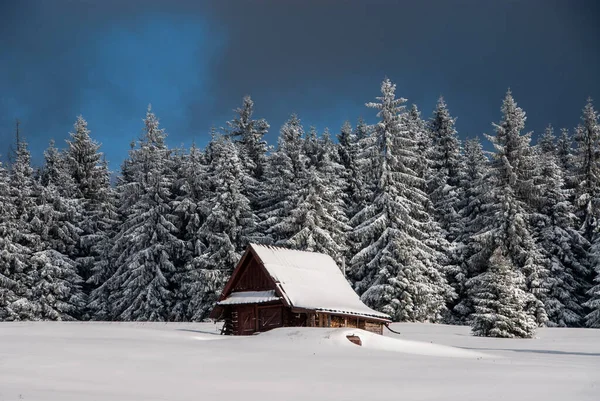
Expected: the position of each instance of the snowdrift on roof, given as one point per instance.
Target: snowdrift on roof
(312, 281)
(249, 297)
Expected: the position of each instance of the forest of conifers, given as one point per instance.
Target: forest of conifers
(430, 228)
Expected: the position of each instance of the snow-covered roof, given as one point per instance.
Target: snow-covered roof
(249, 297)
(313, 281)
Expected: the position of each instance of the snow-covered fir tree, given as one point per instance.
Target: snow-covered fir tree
(317, 220)
(352, 175)
(226, 232)
(507, 226)
(192, 206)
(11, 252)
(592, 319)
(422, 136)
(286, 171)
(249, 134)
(366, 161)
(56, 288)
(587, 137)
(587, 161)
(99, 306)
(91, 178)
(472, 211)
(22, 196)
(396, 271)
(445, 157)
(563, 247)
(501, 305)
(105, 217)
(564, 151)
(147, 244)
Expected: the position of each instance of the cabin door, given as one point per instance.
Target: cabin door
(247, 320)
(270, 317)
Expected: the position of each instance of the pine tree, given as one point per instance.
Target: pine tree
(192, 207)
(472, 211)
(587, 159)
(317, 221)
(367, 157)
(396, 271)
(587, 137)
(445, 160)
(592, 319)
(117, 205)
(22, 200)
(353, 176)
(249, 134)
(286, 170)
(561, 245)
(147, 243)
(423, 138)
(226, 232)
(564, 151)
(501, 305)
(56, 287)
(507, 212)
(11, 253)
(91, 178)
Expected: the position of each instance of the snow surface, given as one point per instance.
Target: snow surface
(312, 280)
(249, 297)
(157, 361)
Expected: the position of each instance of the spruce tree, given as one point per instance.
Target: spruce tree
(192, 206)
(147, 244)
(563, 248)
(396, 271)
(352, 175)
(354, 158)
(473, 209)
(317, 221)
(11, 253)
(500, 303)
(249, 134)
(587, 137)
(286, 170)
(564, 151)
(592, 319)
(118, 204)
(56, 289)
(422, 136)
(507, 219)
(22, 199)
(91, 178)
(587, 160)
(226, 232)
(445, 160)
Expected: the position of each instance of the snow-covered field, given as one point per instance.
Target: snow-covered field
(153, 361)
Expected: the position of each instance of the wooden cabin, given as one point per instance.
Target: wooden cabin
(277, 287)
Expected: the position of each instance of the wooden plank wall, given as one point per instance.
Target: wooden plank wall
(253, 278)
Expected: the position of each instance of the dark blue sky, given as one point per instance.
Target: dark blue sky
(194, 61)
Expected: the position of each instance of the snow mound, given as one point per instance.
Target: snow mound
(307, 337)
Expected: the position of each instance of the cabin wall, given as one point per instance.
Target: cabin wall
(329, 320)
(249, 319)
(374, 327)
(253, 279)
